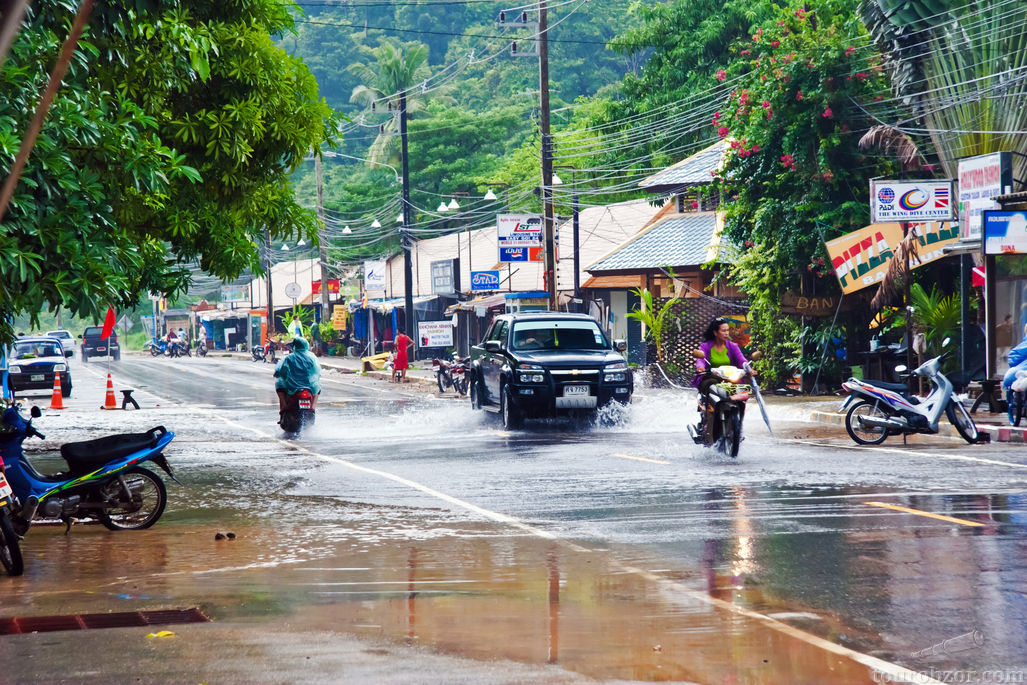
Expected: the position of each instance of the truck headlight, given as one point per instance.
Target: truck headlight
(617, 366)
(530, 367)
(14, 369)
(617, 377)
(60, 367)
(533, 378)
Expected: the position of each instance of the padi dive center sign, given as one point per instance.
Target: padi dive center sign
(911, 201)
(484, 281)
(861, 258)
(374, 276)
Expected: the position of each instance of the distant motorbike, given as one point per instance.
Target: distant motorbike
(877, 409)
(156, 348)
(723, 394)
(10, 541)
(103, 480)
(178, 348)
(452, 374)
(201, 347)
(298, 412)
(265, 352)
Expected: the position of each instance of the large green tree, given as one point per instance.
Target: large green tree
(168, 146)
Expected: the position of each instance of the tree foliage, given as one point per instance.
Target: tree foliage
(169, 143)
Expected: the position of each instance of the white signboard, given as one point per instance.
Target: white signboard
(435, 333)
(374, 276)
(293, 290)
(980, 179)
(911, 201)
(519, 236)
(235, 293)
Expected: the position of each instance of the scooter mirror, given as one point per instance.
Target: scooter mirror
(698, 354)
(901, 368)
(35, 412)
(756, 356)
(945, 342)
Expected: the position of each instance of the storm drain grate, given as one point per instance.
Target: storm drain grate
(123, 619)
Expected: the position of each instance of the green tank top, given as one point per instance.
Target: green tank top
(719, 358)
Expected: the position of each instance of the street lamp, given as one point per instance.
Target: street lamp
(346, 230)
(442, 207)
(453, 204)
(374, 224)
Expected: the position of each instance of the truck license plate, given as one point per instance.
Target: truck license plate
(575, 390)
(5, 489)
(36, 377)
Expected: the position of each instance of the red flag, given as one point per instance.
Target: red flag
(977, 279)
(108, 324)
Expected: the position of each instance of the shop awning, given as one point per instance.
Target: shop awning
(615, 282)
(487, 301)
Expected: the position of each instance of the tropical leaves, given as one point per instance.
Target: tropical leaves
(653, 317)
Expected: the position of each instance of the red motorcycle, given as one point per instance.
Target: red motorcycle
(299, 411)
(452, 374)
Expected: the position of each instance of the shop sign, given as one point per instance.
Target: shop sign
(443, 278)
(519, 237)
(980, 179)
(235, 293)
(333, 286)
(435, 333)
(861, 258)
(374, 276)
(812, 305)
(911, 201)
(1004, 232)
(484, 281)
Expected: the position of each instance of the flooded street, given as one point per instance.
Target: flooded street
(405, 538)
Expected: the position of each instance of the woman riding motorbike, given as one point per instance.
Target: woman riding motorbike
(297, 371)
(719, 350)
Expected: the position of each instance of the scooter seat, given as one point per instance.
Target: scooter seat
(89, 455)
(896, 387)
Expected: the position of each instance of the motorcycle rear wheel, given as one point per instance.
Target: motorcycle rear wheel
(10, 549)
(460, 385)
(958, 417)
(860, 434)
(440, 379)
(149, 497)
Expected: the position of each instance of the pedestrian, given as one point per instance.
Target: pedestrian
(315, 339)
(402, 362)
(296, 328)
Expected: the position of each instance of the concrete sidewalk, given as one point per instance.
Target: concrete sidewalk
(991, 427)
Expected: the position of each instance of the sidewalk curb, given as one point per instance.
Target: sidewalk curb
(987, 433)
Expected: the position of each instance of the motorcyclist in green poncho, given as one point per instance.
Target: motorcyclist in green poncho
(297, 371)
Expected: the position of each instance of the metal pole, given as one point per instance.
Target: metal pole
(964, 311)
(577, 253)
(322, 245)
(547, 159)
(909, 316)
(270, 306)
(408, 271)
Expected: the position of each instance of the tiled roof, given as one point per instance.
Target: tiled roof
(694, 170)
(678, 240)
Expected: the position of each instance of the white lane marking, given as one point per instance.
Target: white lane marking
(895, 672)
(628, 456)
(910, 453)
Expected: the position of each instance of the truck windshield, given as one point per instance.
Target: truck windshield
(558, 335)
(31, 350)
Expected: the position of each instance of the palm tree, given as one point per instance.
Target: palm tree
(963, 68)
(396, 67)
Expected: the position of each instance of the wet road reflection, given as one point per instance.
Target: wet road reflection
(662, 538)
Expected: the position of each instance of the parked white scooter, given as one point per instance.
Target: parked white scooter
(881, 409)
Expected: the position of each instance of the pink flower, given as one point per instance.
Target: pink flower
(721, 75)
(695, 205)
(765, 103)
(749, 243)
(770, 113)
(929, 167)
(774, 43)
(755, 148)
(828, 113)
(848, 53)
(820, 261)
(798, 96)
(723, 131)
(862, 76)
(746, 53)
(828, 176)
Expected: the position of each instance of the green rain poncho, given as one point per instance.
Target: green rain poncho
(298, 370)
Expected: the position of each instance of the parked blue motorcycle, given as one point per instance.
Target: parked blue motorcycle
(103, 480)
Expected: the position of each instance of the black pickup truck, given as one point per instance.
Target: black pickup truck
(542, 364)
(92, 346)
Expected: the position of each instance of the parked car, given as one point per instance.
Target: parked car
(542, 364)
(34, 360)
(67, 340)
(92, 346)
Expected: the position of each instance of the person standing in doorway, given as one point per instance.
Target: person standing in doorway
(296, 328)
(402, 362)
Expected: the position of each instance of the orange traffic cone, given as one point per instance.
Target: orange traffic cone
(110, 402)
(55, 401)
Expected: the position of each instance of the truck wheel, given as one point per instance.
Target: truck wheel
(508, 410)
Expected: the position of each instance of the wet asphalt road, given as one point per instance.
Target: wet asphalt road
(406, 521)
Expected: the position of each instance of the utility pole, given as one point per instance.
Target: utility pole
(408, 271)
(270, 306)
(321, 238)
(547, 157)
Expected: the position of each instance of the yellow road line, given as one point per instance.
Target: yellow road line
(651, 461)
(924, 513)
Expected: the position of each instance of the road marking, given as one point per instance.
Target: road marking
(910, 453)
(894, 672)
(918, 512)
(651, 461)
